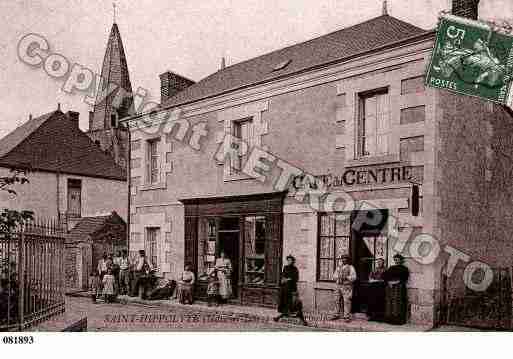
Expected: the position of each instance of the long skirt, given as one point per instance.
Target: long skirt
(396, 304)
(285, 301)
(225, 285)
(184, 293)
(376, 301)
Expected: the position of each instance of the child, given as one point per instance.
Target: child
(109, 286)
(94, 285)
(212, 287)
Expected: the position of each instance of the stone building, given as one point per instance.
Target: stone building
(315, 150)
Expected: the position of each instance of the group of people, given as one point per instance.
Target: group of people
(116, 275)
(219, 288)
(389, 304)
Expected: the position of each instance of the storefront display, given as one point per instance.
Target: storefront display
(249, 231)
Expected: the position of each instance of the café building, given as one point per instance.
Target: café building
(345, 115)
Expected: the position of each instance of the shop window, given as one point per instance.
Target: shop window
(152, 161)
(333, 243)
(207, 245)
(243, 131)
(373, 123)
(151, 245)
(254, 249)
(74, 197)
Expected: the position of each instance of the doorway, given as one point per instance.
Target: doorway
(229, 236)
(368, 244)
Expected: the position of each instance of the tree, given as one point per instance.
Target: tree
(10, 221)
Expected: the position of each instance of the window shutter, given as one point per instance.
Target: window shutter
(273, 250)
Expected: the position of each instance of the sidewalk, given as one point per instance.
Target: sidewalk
(246, 313)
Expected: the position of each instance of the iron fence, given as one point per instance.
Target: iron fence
(490, 309)
(31, 275)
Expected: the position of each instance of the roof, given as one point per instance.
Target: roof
(88, 226)
(336, 46)
(114, 71)
(54, 143)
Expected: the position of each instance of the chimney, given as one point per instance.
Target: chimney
(171, 84)
(465, 8)
(73, 116)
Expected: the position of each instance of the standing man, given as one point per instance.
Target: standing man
(124, 273)
(344, 276)
(142, 270)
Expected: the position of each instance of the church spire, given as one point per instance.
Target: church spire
(114, 96)
(113, 99)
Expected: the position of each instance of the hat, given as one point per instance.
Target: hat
(291, 257)
(399, 256)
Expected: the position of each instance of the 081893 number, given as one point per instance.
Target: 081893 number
(18, 339)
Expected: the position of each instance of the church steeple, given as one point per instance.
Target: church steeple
(113, 99)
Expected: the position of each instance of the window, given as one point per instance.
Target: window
(412, 85)
(207, 245)
(151, 245)
(243, 131)
(409, 145)
(153, 161)
(254, 249)
(373, 123)
(334, 233)
(413, 114)
(74, 198)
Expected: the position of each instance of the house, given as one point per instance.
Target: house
(287, 152)
(86, 243)
(71, 179)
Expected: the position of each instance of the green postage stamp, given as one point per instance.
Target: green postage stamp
(471, 58)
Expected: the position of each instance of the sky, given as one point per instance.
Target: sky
(188, 37)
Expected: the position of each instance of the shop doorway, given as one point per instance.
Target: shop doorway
(229, 237)
(368, 244)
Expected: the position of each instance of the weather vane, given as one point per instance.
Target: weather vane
(114, 8)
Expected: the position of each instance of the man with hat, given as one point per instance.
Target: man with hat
(344, 277)
(289, 303)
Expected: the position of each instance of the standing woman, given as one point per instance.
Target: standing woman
(396, 306)
(288, 285)
(224, 272)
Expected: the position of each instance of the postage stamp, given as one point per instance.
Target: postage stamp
(470, 58)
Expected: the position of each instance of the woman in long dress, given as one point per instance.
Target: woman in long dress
(396, 277)
(186, 286)
(224, 271)
(288, 286)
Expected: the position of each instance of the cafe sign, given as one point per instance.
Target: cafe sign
(355, 177)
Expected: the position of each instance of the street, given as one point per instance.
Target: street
(137, 317)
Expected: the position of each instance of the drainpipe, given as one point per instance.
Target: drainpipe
(57, 176)
(129, 178)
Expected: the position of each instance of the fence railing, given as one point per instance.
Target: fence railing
(31, 275)
(491, 309)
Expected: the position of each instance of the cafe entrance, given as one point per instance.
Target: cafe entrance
(367, 247)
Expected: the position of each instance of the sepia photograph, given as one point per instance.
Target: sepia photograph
(292, 166)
